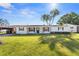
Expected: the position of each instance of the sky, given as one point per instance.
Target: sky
(30, 13)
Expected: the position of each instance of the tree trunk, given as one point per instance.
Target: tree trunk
(53, 20)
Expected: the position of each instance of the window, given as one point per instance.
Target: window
(45, 28)
(31, 29)
(60, 28)
(21, 28)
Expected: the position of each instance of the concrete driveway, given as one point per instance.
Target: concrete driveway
(6, 34)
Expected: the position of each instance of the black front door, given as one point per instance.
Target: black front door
(37, 31)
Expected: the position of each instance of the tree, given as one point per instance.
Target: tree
(1, 21)
(46, 18)
(61, 24)
(53, 14)
(70, 18)
(4, 22)
(49, 18)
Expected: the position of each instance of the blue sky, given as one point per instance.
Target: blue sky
(30, 13)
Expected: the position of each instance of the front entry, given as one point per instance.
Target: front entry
(38, 31)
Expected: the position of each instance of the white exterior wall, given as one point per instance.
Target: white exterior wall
(72, 30)
(21, 32)
(52, 29)
(31, 32)
(65, 29)
(41, 29)
(75, 29)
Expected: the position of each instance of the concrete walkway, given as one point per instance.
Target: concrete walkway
(6, 34)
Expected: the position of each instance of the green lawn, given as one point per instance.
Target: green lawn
(29, 45)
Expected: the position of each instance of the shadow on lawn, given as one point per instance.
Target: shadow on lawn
(71, 44)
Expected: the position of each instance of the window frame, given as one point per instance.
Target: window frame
(31, 29)
(45, 29)
(21, 28)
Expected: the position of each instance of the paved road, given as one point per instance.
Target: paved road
(6, 34)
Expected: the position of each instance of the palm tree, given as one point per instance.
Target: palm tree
(49, 18)
(53, 14)
(46, 18)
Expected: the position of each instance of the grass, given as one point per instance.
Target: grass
(29, 45)
(2, 32)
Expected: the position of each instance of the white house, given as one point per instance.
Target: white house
(43, 29)
(32, 29)
(65, 28)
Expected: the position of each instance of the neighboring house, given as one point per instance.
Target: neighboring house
(43, 29)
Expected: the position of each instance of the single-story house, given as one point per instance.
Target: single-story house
(43, 29)
(40, 29)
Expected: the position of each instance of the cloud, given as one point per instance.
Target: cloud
(24, 12)
(6, 11)
(28, 12)
(6, 5)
